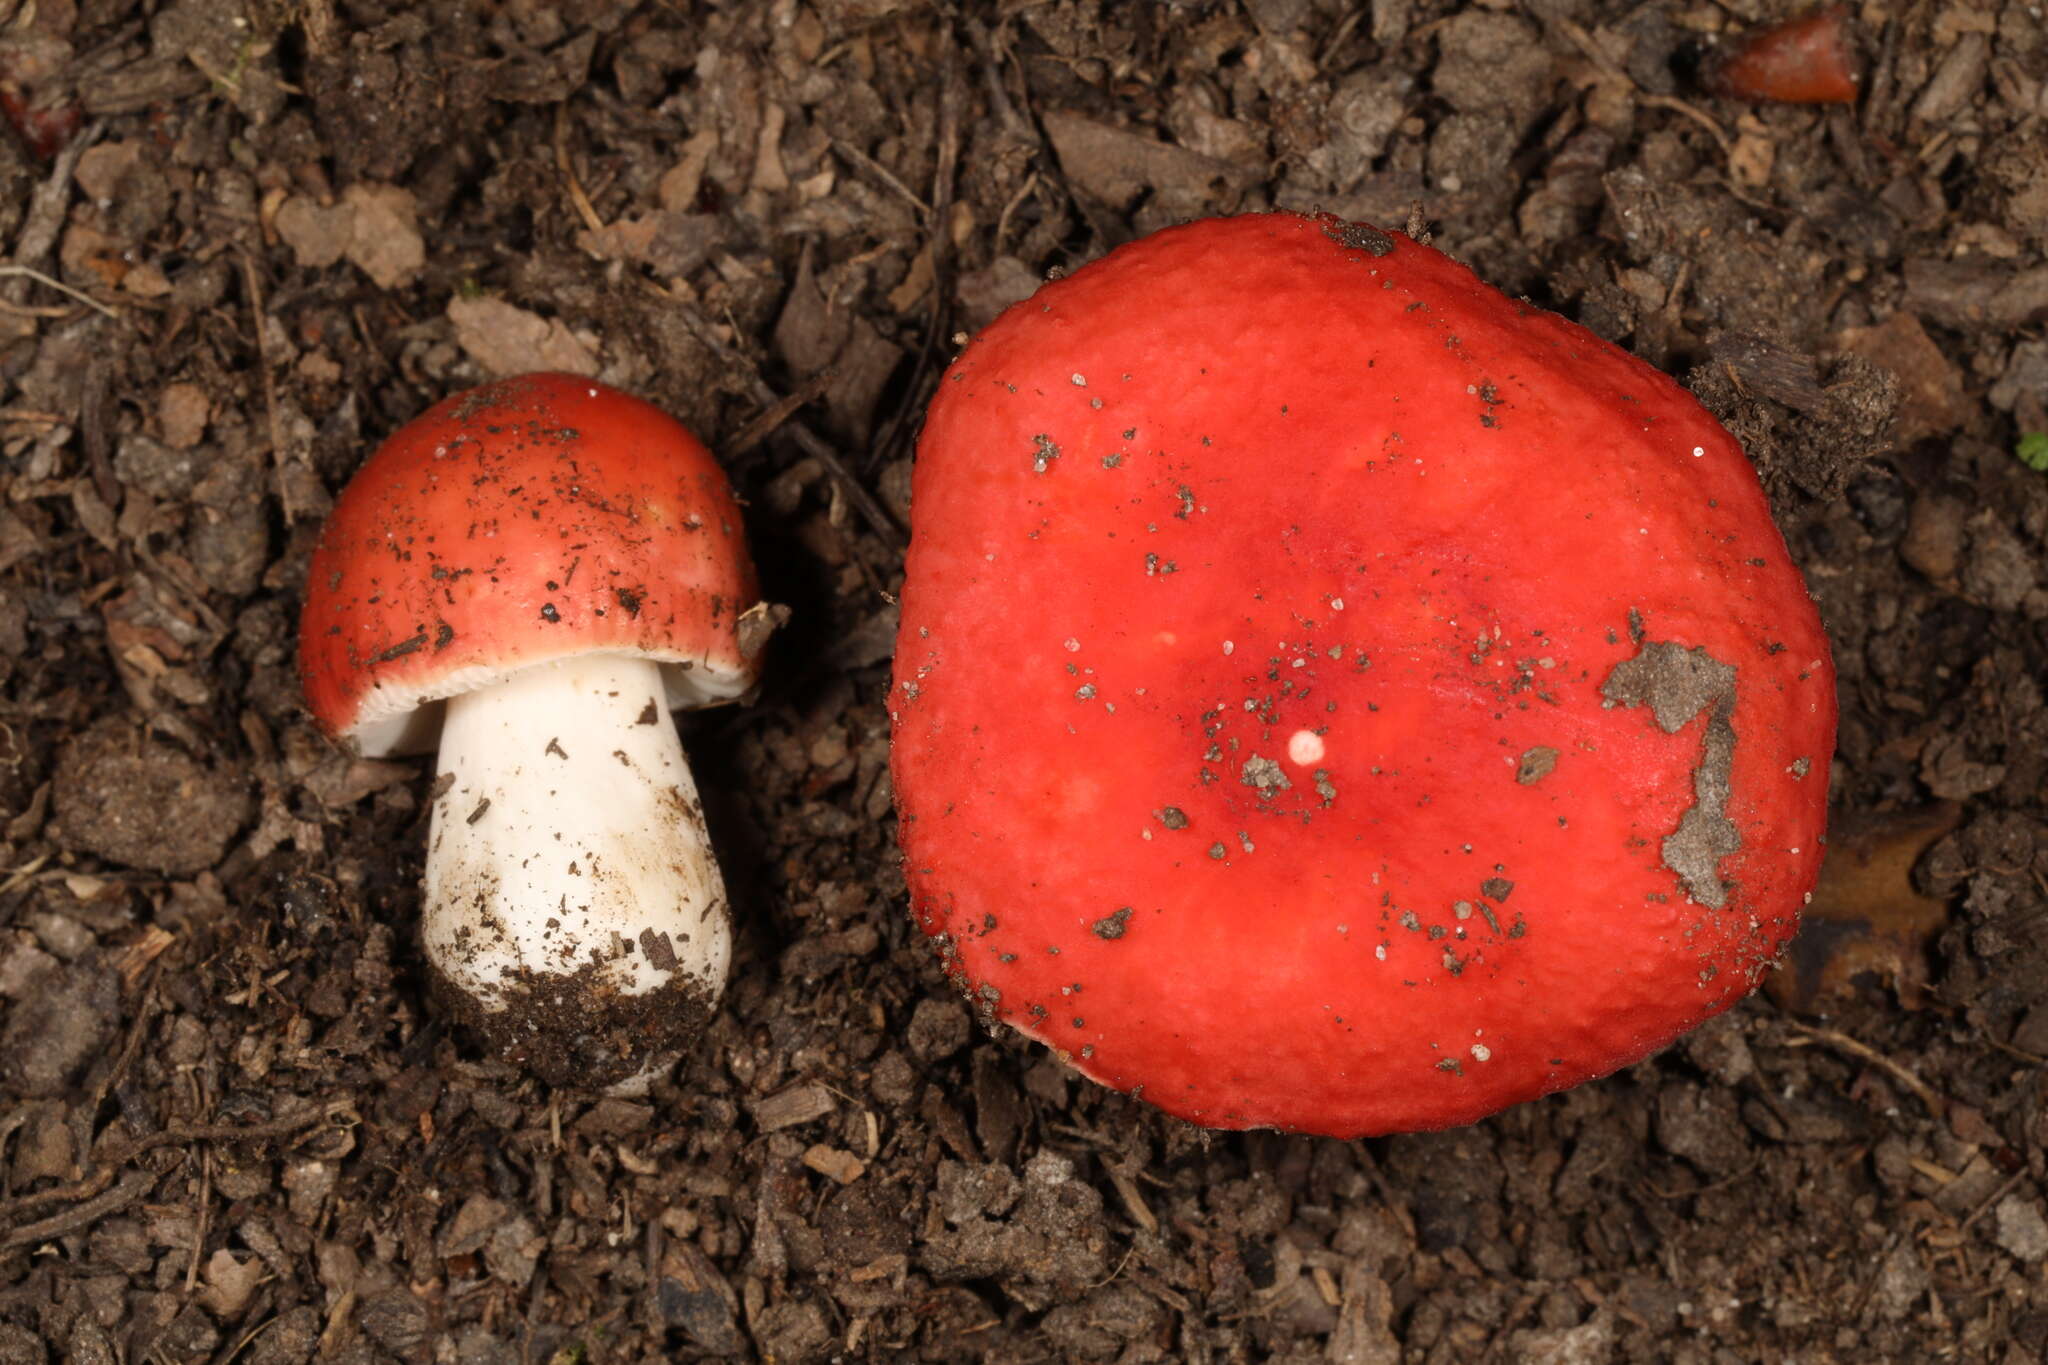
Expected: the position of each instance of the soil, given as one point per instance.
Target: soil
(247, 240)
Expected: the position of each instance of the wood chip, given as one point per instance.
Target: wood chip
(881, 1268)
(843, 1167)
(787, 1108)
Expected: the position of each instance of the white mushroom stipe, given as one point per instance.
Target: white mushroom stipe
(568, 834)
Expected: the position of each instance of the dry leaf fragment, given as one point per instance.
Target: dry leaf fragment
(1117, 166)
(1865, 917)
(229, 1283)
(843, 1167)
(317, 233)
(506, 340)
(384, 237)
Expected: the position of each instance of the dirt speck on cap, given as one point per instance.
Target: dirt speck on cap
(1536, 764)
(1114, 925)
(1360, 237)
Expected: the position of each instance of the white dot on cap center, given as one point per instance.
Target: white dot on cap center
(1305, 748)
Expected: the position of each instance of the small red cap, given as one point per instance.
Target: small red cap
(528, 520)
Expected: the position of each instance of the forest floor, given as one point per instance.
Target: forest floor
(248, 240)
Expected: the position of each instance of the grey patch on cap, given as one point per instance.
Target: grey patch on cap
(1677, 684)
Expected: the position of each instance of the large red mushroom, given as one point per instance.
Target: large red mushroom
(1334, 696)
(533, 575)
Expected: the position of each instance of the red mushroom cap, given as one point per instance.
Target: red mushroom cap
(1334, 696)
(528, 520)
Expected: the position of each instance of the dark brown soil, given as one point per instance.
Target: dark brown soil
(234, 1126)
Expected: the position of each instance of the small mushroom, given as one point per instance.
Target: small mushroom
(1334, 696)
(535, 573)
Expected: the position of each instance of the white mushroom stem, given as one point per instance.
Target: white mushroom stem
(568, 854)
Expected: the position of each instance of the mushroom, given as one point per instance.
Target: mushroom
(537, 572)
(1333, 696)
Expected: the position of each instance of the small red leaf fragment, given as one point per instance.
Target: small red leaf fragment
(44, 129)
(1806, 61)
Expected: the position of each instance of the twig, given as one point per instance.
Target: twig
(46, 210)
(862, 161)
(2005, 1187)
(1396, 1206)
(1708, 1188)
(1877, 104)
(132, 1187)
(939, 248)
(50, 282)
(1696, 114)
(1842, 1042)
(254, 1332)
(25, 310)
(24, 874)
(585, 210)
(1869, 1286)
(992, 77)
(765, 425)
(871, 511)
(1340, 36)
(201, 1219)
(254, 286)
(250, 1132)
(1015, 202)
(1583, 41)
(177, 1132)
(146, 1007)
(945, 175)
(2031, 1059)
(167, 579)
